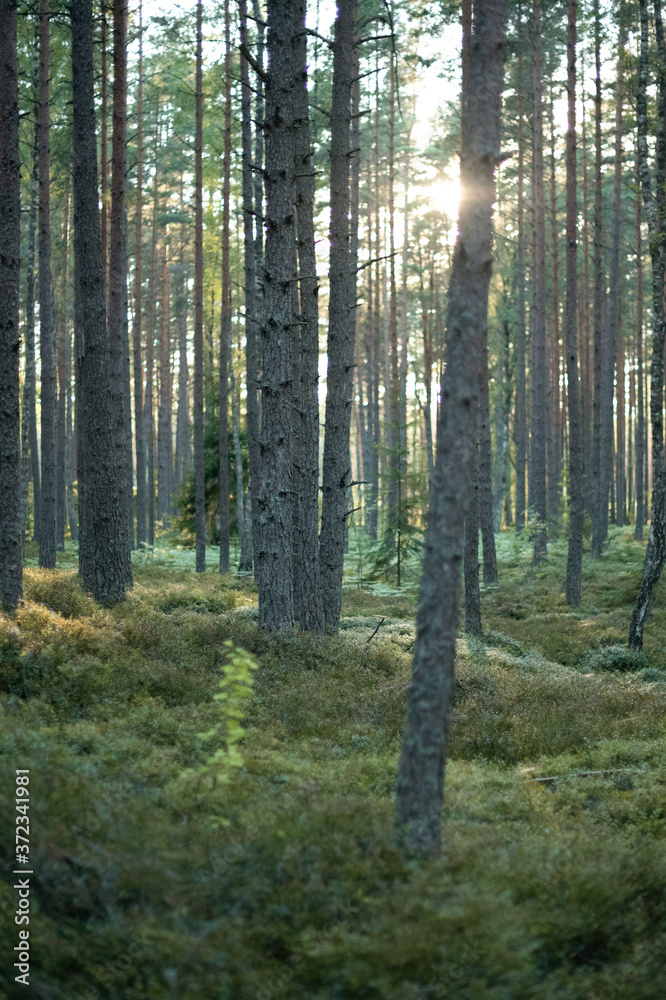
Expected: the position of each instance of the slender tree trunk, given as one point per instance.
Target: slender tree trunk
(307, 583)
(101, 550)
(394, 457)
(104, 161)
(621, 450)
(251, 326)
(336, 473)
(471, 554)
(538, 496)
(274, 552)
(183, 459)
(485, 479)
(420, 786)
(600, 485)
(554, 430)
(225, 311)
(576, 484)
(61, 430)
(164, 431)
(585, 362)
(30, 379)
(655, 212)
(640, 399)
(117, 284)
(11, 573)
(199, 468)
(520, 419)
(47, 532)
(242, 507)
(139, 435)
(69, 428)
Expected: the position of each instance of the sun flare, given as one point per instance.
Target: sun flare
(445, 196)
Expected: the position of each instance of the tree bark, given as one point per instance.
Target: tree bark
(11, 572)
(199, 468)
(61, 427)
(164, 431)
(251, 305)
(47, 531)
(654, 211)
(420, 786)
(576, 483)
(520, 419)
(225, 310)
(274, 503)
(538, 496)
(599, 484)
(101, 514)
(640, 399)
(336, 472)
(139, 435)
(308, 608)
(485, 478)
(31, 466)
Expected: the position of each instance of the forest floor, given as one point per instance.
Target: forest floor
(552, 889)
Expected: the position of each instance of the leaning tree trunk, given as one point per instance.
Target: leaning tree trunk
(655, 213)
(47, 532)
(420, 786)
(336, 472)
(307, 585)
(199, 469)
(274, 502)
(102, 555)
(117, 282)
(537, 484)
(576, 483)
(251, 326)
(11, 573)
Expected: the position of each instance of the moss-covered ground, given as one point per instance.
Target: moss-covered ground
(551, 889)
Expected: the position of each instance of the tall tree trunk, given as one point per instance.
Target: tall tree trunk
(585, 360)
(308, 608)
(554, 435)
(621, 449)
(576, 484)
(61, 429)
(394, 456)
(69, 428)
(520, 419)
(640, 399)
(104, 161)
(101, 549)
(199, 468)
(655, 213)
(471, 553)
(420, 786)
(485, 478)
(242, 506)
(164, 431)
(29, 408)
(600, 485)
(117, 284)
(139, 435)
(259, 154)
(251, 305)
(274, 552)
(11, 573)
(225, 311)
(183, 460)
(336, 472)
(47, 532)
(538, 497)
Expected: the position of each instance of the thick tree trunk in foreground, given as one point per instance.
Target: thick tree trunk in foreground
(47, 531)
(537, 484)
(337, 472)
(471, 553)
(251, 325)
(307, 584)
(576, 484)
(420, 786)
(199, 470)
(11, 573)
(117, 285)
(102, 516)
(655, 213)
(274, 502)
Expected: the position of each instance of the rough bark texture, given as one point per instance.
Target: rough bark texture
(520, 419)
(537, 484)
(47, 530)
(101, 550)
(576, 485)
(225, 311)
(336, 471)
(199, 470)
(274, 503)
(117, 285)
(654, 212)
(471, 553)
(139, 435)
(31, 464)
(251, 325)
(307, 584)
(11, 573)
(420, 786)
